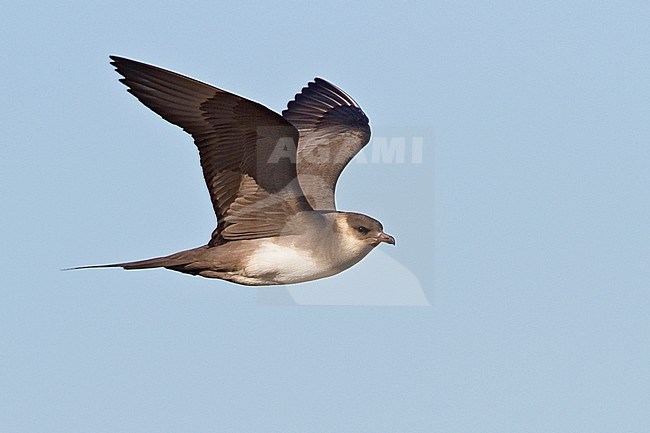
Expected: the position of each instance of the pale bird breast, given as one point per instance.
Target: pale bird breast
(284, 263)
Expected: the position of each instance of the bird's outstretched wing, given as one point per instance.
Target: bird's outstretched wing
(333, 129)
(247, 151)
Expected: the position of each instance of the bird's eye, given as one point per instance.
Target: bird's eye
(363, 230)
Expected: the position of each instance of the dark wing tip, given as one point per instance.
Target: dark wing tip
(321, 103)
(117, 61)
(123, 66)
(325, 86)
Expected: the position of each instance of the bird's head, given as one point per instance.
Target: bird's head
(362, 231)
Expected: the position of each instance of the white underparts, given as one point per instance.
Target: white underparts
(283, 265)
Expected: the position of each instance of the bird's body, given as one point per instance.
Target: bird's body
(274, 200)
(287, 259)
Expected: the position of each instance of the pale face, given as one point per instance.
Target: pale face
(365, 231)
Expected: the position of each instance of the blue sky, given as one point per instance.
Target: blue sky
(515, 300)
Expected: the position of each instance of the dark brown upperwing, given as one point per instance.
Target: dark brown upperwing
(333, 129)
(247, 151)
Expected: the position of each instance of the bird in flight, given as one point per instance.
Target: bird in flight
(271, 179)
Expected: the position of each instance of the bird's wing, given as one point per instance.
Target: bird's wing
(333, 129)
(247, 151)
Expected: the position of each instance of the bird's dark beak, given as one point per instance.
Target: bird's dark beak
(383, 237)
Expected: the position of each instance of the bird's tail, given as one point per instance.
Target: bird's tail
(172, 261)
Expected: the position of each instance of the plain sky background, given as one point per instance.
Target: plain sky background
(527, 222)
